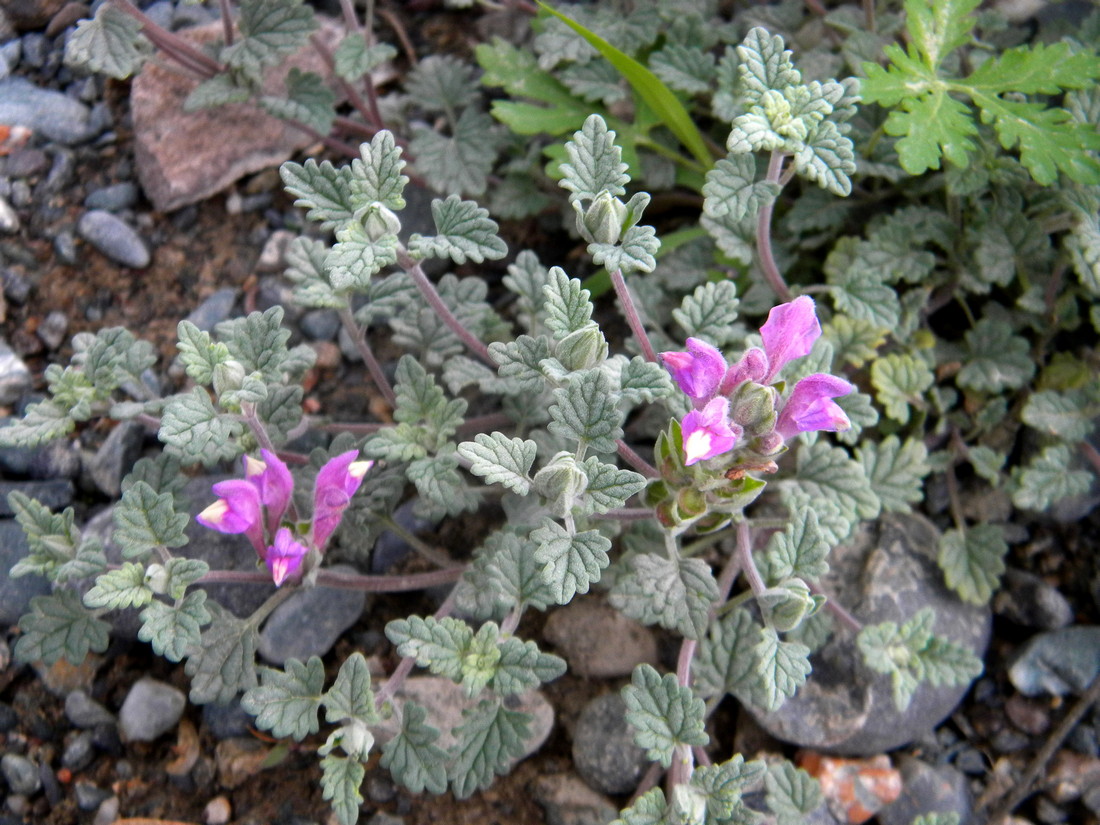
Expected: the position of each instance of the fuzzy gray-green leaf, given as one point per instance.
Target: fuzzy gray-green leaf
(145, 519)
(286, 701)
(173, 630)
(59, 626)
(571, 563)
(489, 739)
(111, 43)
(792, 794)
(595, 162)
(584, 410)
(677, 595)
(224, 662)
(465, 232)
(972, 561)
(341, 777)
(119, 588)
(896, 471)
(663, 713)
(501, 460)
(412, 757)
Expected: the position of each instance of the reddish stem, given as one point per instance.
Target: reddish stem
(764, 234)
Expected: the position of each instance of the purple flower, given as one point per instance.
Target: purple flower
(752, 367)
(237, 510)
(810, 406)
(336, 483)
(284, 558)
(697, 372)
(708, 432)
(789, 333)
(274, 483)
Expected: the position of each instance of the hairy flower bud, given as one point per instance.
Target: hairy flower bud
(156, 579)
(603, 221)
(688, 805)
(380, 221)
(560, 482)
(793, 604)
(228, 377)
(752, 406)
(583, 348)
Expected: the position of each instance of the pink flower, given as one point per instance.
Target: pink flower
(274, 483)
(697, 372)
(753, 366)
(789, 333)
(284, 558)
(336, 483)
(708, 432)
(237, 510)
(810, 406)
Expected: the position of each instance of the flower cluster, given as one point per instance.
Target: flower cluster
(735, 401)
(257, 504)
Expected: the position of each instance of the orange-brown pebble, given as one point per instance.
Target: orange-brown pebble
(854, 789)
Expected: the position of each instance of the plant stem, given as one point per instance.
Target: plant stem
(349, 91)
(431, 295)
(404, 668)
(346, 581)
(626, 452)
(227, 22)
(1092, 454)
(633, 318)
(764, 234)
(837, 609)
(626, 514)
(173, 45)
(347, 9)
(269, 605)
(359, 336)
(748, 564)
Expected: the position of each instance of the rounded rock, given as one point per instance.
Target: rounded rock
(598, 641)
(150, 709)
(21, 774)
(85, 712)
(114, 238)
(604, 752)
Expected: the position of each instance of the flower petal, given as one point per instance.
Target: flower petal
(697, 372)
(708, 432)
(789, 333)
(284, 558)
(810, 408)
(336, 483)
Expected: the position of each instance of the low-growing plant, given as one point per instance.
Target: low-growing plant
(944, 305)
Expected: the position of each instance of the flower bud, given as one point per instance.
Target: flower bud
(688, 805)
(691, 503)
(356, 740)
(380, 221)
(583, 348)
(603, 221)
(752, 406)
(792, 604)
(560, 482)
(228, 377)
(156, 579)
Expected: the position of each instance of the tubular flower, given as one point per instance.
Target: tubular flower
(274, 483)
(810, 406)
(237, 510)
(697, 372)
(336, 483)
(284, 558)
(708, 432)
(789, 333)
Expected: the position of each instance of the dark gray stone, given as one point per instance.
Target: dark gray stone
(15, 376)
(85, 712)
(53, 460)
(309, 622)
(21, 774)
(929, 790)
(1059, 662)
(114, 238)
(88, 796)
(568, 801)
(64, 246)
(113, 198)
(16, 594)
(8, 718)
(53, 115)
(320, 324)
(116, 457)
(17, 287)
(52, 329)
(886, 573)
(55, 495)
(79, 752)
(1029, 601)
(36, 49)
(9, 218)
(150, 709)
(227, 721)
(214, 309)
(604, 752)
(59, 176)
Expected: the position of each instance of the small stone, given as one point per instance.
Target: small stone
(106, 739)
(16, 594)
(1030, 716)
(227, 721)
(27, 163)
(49, 113)
(1059, 662)
(854, 789)
(85, 712)
(1071, 775)
(380, 788)
(972, 762)
(18, 805)
(1029, 601)
(604, 752)
(9, 220)
(113, 198)
(150, 709)
(116, 457)
(328, 354)
(8, 718)
(52, 329)
(320, 324)
(598, 641)
(1091, 800)
(273, 255)
(218, 811)
(1049, 813)
(88, 796)
(79, 753)
(1009, 741)
(17, 287)
(107, 812)
(383, 818)
(64, 246)
(926, 790)
(238, 759)
(214, 309)
(309, 622)
(21, 774)
(15, 376)
(568, 801)
(114, 238)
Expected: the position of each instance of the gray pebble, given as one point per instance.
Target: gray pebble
(9, 220)
(1058, 662)
(215, 309)
(186, 15)
(53, 460)
(53, 115)
(604, 752)
(227, 721)
(8, 718)
(26, 163)
(161, 13)
(15, 376)
(107, 812)
(114, 238)
(10, 55)
(88, 796)
(113, 198)
(52, 329)
(927, 790)
(16, 594)
(17, 287)
(21, 195)
(116, 457)
(85, 712)
(79, 753)
(35, 49)
(61, 172)
(1029, 601)
(21, 774)
(151, 708)
(320, 324)
(309, 622)
(64, 246)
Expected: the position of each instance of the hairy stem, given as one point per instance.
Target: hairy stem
(347, 10)
(764, 234)
(633, 317)
(171, 44)
(361, 106)
(346, 581)
(404, 668)
(227, 22)
(1092, 454)
(431, 295)
(359, 336)
(626, 452)
(747, 562)
(837, 609)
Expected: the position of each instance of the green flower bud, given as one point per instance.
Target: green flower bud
(791, 603)
(691, 503)
(583, 348)
(228, 377)
(156, 579)
(603, 221)
(380, 221)
(560, 482)
(752, 406)
(688, 805)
